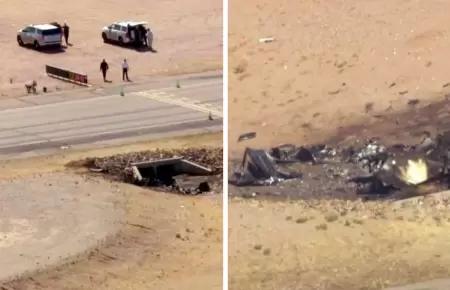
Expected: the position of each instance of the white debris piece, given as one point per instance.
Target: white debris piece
(266, 39)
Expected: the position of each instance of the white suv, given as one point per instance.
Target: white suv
(118, 31)
(40, 35)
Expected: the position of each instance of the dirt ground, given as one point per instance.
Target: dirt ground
(336, 245)
(168, 241)
(335, 72)
(328, 62)
(187, 38)
(36, 230)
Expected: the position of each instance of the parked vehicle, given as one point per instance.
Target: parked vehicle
(41, 35)
(124, 32)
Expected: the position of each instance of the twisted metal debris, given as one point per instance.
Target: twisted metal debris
(370, 169)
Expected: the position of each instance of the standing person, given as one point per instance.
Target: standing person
(149, 36)
(144, 35)
(137, 40)
(125, 71)
(66, 29)
(128, 31)
(104, 67)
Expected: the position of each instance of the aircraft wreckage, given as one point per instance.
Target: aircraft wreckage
(378, 169)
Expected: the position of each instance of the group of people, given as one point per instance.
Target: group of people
(140, 36)
(104, 67)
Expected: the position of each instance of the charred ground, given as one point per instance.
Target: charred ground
(400, 132)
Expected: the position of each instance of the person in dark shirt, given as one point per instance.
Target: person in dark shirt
(137, 39)
(104, 68)
(144, 35)
(65, 30)
(129, 32)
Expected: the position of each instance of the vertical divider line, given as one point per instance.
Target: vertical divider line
(225, 144)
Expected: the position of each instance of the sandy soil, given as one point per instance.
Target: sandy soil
(336, 245)
(187, 37)
(328, 62)
(168, 241)
(335, 71)
(49, 217)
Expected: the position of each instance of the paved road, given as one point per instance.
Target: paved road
(155, 109)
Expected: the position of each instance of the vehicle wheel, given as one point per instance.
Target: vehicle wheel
(105, 38)
(19, 41)
(121, 40)
(36, 45)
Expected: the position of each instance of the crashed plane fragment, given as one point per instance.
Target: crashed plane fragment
(388, 169)
(259, 168)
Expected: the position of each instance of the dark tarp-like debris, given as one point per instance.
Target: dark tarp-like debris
(247, 136)
(258, 168)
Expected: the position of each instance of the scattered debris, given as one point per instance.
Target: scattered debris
(266, 39)
(368, 107)
(259, 168)
(368, 168)
(247, 136)
(340, 63)
(413, 102)
(334, 92)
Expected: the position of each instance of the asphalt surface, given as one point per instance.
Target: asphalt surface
(158, 108)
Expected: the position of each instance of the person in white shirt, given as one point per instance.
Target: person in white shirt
(125, 70)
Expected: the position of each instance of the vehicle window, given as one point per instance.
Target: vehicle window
(51, 31)
(27, 29)
(123, 28)
(116, 27)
